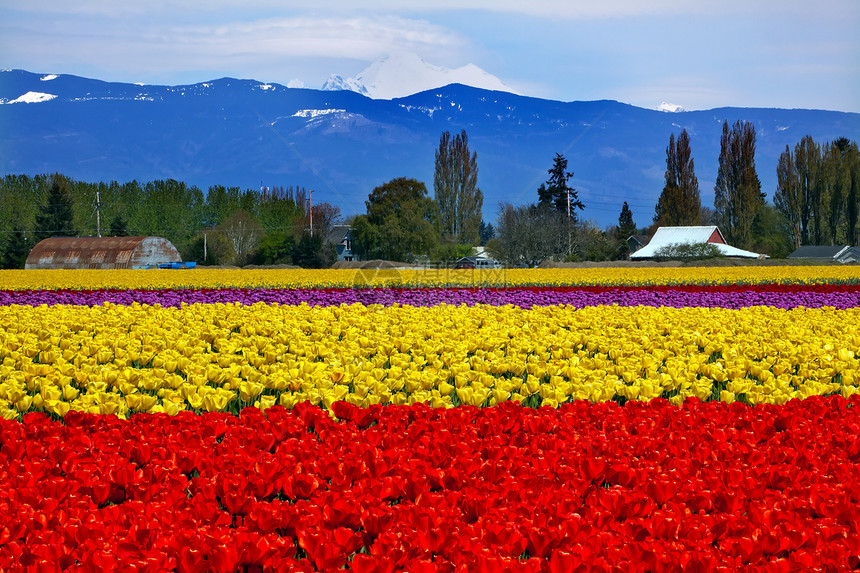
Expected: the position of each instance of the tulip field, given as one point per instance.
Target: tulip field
(636, 419)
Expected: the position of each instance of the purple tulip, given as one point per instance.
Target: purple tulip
(522, 297)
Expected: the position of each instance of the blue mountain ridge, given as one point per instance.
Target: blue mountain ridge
(342, 144)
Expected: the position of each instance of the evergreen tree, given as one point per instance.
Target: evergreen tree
(312, 252)
(54, 219)
(738, 199)
(486, 232)
(626, 226)
(118, 227)
(679, 203)
(556, 192)
(18, 247)
(455, 185)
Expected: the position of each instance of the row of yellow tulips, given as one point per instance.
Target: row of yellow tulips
(125, 359)
(284, 278)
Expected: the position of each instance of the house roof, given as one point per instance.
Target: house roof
(337, 234)
(667, 236)
(849, 255)
(818, 252)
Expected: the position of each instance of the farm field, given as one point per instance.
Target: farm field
(431, 420)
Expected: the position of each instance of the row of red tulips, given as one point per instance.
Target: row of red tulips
(705, 486)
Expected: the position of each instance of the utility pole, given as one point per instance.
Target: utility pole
(568, 221)
(98, 216)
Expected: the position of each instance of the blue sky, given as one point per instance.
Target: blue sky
(697, 54)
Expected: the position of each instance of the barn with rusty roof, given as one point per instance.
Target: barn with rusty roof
(102, 253)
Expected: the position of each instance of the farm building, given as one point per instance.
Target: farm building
(839, 253)
(670, 236)
(341, 237)
(636, 242)
(102, 253)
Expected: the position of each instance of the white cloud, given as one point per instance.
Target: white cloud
(358, 38)
(563, 49)
(567, 9)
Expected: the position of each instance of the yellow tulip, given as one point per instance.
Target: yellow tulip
(195, 400)
(171, 408)
(57, 407)
(70, 393)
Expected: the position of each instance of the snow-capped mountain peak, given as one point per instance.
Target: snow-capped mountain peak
(403, 74)
(337, 83)
(670, 108)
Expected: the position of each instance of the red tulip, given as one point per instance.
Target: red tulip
(322, 550)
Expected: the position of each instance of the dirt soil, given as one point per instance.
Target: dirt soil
(375, 264)
(381, 264)
(705, 263)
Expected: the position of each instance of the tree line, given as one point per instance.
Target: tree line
(403, 223)
(816, 202)
(223, 226)
(817, 191)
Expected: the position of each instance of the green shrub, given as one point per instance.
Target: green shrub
(688, 252)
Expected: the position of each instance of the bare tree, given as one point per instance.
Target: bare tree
(529, 234)
(244, 233)
(325, 217)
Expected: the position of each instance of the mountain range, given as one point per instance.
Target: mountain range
(404, 73)
(342, 144)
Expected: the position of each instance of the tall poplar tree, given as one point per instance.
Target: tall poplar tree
(680, 203)
(807, 164)
(837, 181)
(738, 199)
(455, 186)
(852, 203)
(789, 198)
